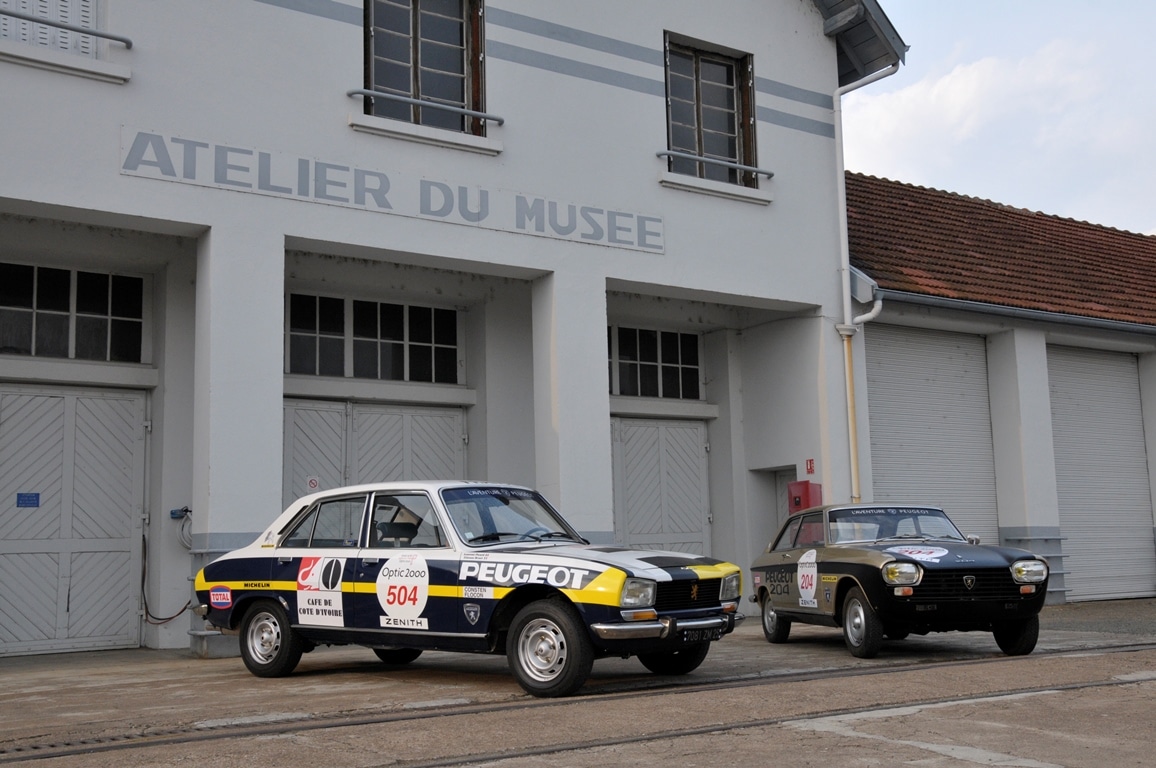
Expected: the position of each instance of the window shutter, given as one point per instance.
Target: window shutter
(80, 13)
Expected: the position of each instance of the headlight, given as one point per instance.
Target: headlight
(732, 587)
(1029, 571)
(638, 593)
(901, 574)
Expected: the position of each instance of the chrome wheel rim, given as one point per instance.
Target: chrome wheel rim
(770, 618)
(542, 650)
(264, 638)
(855, 623)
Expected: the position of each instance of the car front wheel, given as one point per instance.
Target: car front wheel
(1018, 638)
(862, 629)
(775, 628)
(678, 662)
(269, 646)
(548, 650)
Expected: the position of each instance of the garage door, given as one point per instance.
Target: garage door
(661, 498)
(1101, 474)
(930, 420)
(71, 505)
(330, 444)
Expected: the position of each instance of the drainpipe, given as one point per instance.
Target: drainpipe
(850, 325)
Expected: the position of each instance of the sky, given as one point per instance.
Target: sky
(1048, 105)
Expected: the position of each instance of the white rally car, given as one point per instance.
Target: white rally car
(485, 568)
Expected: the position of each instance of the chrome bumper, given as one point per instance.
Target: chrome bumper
(665, 627)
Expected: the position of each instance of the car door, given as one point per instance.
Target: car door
(407, 574)
(312, 567)
(792, 571)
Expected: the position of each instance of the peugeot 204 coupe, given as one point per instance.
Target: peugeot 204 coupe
(403, 568)
(890, 571)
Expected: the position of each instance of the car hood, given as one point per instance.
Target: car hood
(936, 554)
(653, 564)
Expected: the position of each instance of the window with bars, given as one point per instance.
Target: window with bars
(651, 363)
(330, 336)
(710, 113)
(79, 13)
(429, 50)
(49, 312)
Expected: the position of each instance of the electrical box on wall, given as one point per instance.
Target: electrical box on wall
(803, 494)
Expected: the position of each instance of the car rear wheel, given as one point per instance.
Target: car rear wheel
(269, 646)
(862, 629)
(397, 655)
(775, 628)
(548, 650)
(1018, 638)
(678, 662)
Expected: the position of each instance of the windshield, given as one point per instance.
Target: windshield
(493, 515)
(876, 524)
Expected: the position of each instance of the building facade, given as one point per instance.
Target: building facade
(589, 247)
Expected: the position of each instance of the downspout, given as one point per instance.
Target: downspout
(850, 324)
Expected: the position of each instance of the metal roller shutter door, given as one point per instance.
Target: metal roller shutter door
(1101, 474)
(930, 422)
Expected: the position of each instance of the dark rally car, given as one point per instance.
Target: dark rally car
(889, 571)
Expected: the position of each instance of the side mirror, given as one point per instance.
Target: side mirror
(973, 540)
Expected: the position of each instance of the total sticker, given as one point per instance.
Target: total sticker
(808, 574)
(923, 554)
(402, 591)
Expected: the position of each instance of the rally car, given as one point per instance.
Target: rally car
(407, 567)
(890, 571)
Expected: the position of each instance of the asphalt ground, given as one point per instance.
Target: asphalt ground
(97, 697)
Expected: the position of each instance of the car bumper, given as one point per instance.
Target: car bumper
(666, 626)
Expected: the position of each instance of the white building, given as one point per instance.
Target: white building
(230, 272)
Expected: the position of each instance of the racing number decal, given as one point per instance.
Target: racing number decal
(808, 575)
(403, 590)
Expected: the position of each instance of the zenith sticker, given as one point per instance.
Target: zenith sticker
(220, 597)
(808, 570)
(403, 591)
(923, 554)
(510, 574)
(319, 591)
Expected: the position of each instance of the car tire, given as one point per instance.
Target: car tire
(1018, 638)
(862, 629)
(397, 655)
(677, 662)
(775, 628)
(548, 649)
(270, 647)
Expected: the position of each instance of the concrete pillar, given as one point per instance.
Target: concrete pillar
(572, 400)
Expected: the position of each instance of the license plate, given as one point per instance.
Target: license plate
(701, 635)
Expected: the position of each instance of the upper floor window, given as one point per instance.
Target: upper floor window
(710, 113)
(429, 50)
(330, 336)
(79, 13)
(48, 312)
(649, 363)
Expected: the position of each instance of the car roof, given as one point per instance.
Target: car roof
(398, 486)
(880, 505)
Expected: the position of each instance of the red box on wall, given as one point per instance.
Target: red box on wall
(803, 494)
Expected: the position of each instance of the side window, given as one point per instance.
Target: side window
(787, 538)
(710, 113)
(333, 523)
(428, 51)
(404, 520)
(810, 532)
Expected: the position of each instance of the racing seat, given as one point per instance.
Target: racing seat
(395, 534)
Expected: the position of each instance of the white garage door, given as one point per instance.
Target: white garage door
(333, 444)
(1101, 474)
(930, 420)
(71, 506)
(661, 498)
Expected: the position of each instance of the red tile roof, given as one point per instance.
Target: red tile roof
(925, 241)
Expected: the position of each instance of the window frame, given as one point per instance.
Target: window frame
(473, 68)
(743, 115)
(660, 363)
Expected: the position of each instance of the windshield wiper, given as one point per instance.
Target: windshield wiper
(557, 535)
(495, 536)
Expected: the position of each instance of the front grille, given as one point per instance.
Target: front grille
(687, 595)
(990, 584)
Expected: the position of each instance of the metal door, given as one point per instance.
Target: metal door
(71, 506)
(661, 497)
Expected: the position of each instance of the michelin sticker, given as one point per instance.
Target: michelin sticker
(319, 591)
(403, 590)
(808, 571)
(923, 554)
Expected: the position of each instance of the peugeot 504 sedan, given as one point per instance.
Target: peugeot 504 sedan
(402, 568)
(890, 571)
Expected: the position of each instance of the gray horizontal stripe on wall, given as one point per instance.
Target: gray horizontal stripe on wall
(326, 9)
(563, 66)
(594, 42)
(794, 122)
(794, 93)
